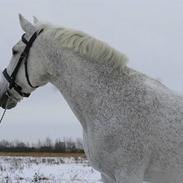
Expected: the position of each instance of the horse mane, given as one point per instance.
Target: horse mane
(88, 47)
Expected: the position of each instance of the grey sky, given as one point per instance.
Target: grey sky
(149, 32)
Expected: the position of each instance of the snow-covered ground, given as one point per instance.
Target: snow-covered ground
(47, 170)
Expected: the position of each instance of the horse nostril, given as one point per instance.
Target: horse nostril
(7, 104)
(4, 100)
(8, 101)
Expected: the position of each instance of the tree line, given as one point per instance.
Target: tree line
(65, 145)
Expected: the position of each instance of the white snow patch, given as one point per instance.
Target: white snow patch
(47, 170)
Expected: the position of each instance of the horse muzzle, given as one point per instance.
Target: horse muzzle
(7, 102)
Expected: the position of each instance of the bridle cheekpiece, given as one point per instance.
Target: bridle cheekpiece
(23, 58)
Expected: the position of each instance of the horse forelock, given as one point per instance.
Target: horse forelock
(87, 46)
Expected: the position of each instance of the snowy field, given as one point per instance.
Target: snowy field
(47, 170)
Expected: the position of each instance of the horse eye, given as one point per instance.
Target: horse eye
(14, 52)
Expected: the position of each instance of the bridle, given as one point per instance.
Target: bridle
(23, 58)
(12, 78)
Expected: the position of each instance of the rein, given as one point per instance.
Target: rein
(12, 78)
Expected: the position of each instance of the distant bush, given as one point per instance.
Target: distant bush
(59, 146)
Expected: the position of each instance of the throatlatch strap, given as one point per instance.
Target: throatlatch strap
(25, 55)
(29, 45)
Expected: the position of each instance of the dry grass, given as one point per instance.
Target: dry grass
(41, 154)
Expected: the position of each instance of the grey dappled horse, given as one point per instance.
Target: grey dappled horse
(132, 124)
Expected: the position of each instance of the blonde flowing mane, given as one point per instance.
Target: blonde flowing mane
(88, 47)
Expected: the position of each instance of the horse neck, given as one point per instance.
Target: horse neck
(82, 82)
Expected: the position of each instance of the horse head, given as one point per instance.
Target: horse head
(25, 71)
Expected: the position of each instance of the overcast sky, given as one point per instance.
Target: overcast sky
(149, 32)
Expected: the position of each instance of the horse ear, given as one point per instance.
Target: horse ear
(35, 20)
(26, 25)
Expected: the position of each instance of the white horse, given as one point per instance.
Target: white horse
(132, 124)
